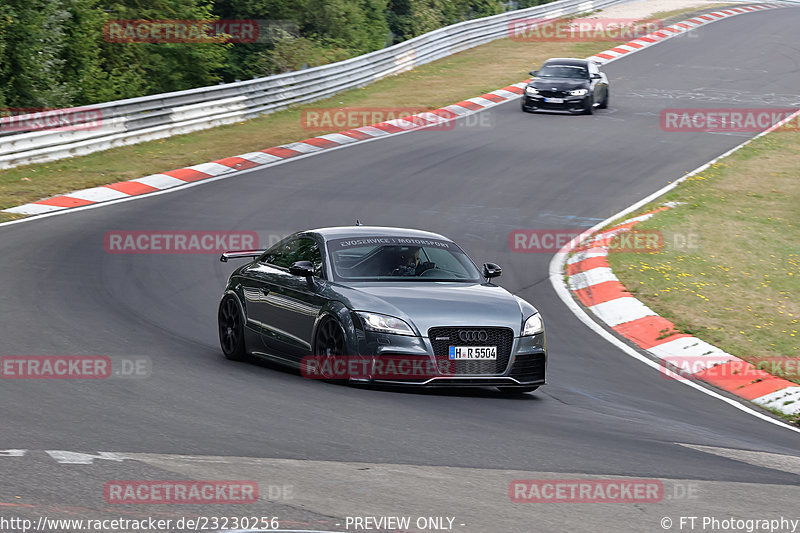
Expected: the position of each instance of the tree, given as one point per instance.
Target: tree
(34, 45)
(54, 53)
(409, 18)
(359, 25)
(136, 69)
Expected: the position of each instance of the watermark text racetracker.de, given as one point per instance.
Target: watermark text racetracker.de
(344, 118)
(600, 491)
(74, 367)
(199, 31)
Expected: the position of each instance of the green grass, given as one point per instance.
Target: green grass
(736, 286)
(676, 15)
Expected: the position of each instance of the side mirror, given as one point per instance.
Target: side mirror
(534, 73)
(302, 268)
(595, 76)
(491, 270)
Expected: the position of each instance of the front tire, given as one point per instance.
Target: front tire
(329, 343)
(604, 103)
(588, 107)
(231, 329)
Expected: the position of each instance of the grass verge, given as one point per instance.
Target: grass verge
(729, 272)
(452, 79)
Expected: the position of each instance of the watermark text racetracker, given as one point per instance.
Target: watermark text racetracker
(709, 368)
(180, 31)
(552, 240)
(728, 120)
(180, 492)
(384, 367)
(74, 367)
(585, 491)
(54, 120)
(179, 242)
(581, 29)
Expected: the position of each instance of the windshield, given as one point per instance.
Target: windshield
(400, 259)
(563, 71)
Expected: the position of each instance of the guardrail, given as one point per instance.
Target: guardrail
(123, 122)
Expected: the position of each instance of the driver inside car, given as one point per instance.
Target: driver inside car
(409, 262)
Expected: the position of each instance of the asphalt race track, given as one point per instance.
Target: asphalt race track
(353, 451)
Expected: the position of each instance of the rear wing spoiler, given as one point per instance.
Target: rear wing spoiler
(237, 254)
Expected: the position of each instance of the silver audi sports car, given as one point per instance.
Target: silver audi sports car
(378, 304)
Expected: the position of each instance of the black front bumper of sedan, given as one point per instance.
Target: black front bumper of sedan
(570, 103)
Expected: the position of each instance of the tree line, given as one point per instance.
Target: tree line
(57, 53)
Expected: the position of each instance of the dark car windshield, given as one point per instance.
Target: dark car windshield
(382, 258)
(563, 71)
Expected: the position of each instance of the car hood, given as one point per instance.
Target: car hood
(429, 304)
(559, 84)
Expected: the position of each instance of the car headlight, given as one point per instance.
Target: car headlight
(384, 323)
(533, 325)
(531, 90)
(578, 92)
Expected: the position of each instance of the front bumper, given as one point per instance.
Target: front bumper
(526, 365)
(457, 382)
(570, 103)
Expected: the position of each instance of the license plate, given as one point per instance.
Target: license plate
(473, 353)
(554, 100)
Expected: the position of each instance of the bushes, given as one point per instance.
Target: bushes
(53, 53)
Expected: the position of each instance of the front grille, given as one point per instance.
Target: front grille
(529, 367)
(553, 94)
(503, 338)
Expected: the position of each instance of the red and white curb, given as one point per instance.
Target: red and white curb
(230, 165)
(267, 157)
(592, 281)
(608, 300)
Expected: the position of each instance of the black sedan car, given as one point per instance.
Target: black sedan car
(408, 304)
(567, 84)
